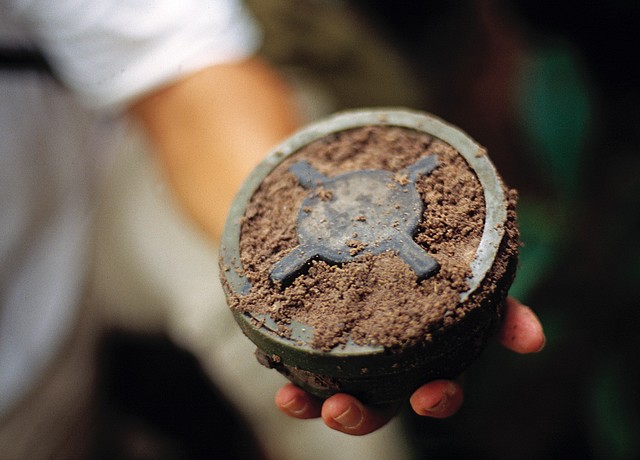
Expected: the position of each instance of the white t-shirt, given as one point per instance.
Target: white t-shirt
(54, 139)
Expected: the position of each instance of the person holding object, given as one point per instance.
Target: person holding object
(187, 72)
(521, 332)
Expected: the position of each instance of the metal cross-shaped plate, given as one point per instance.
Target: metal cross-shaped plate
(366, 211)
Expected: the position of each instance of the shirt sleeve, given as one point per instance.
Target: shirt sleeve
(110, 52)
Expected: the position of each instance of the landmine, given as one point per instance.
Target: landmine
(370, 253)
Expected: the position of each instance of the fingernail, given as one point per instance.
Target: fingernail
(351, 419)
(443, 403)
(295, 406)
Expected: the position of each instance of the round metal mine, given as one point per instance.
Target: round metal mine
(350, 214)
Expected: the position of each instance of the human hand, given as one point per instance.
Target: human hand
(521, 332)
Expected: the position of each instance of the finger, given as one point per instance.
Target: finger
(345, 413)
(297, 403)
(438, 399)
(521, 329)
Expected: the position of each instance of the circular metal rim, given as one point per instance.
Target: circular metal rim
(473, 153)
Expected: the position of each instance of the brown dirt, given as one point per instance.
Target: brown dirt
(376, 299)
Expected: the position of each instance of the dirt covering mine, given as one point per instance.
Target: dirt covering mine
(375, 299)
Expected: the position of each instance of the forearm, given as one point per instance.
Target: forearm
(210, 129)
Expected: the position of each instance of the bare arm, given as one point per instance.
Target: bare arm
(210, 130)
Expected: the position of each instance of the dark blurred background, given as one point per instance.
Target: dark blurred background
(552, 89)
